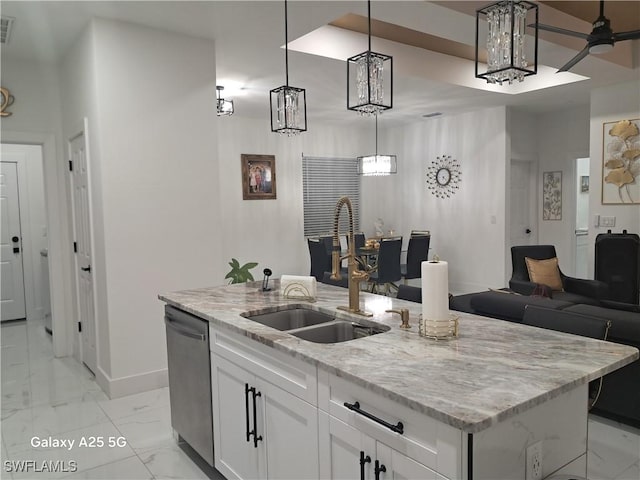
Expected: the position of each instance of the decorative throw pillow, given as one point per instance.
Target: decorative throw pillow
(545, 272)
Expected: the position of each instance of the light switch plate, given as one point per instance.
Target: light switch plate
(607, 221)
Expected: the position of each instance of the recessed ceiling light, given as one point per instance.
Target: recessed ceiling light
(434, 114)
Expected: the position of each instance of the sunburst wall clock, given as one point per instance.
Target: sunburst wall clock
(443, 176)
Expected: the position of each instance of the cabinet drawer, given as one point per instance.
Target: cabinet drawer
(288, 373)
(428, 441)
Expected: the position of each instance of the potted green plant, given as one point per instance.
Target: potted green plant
(240, 274)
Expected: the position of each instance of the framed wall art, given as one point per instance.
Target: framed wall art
(584, 183)
(621, 162)
(552, 196)
(258, 177)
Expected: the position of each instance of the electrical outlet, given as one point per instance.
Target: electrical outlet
(534, 461)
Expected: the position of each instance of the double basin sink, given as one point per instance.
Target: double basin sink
(314, 326)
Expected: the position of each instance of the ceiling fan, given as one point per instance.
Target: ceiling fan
(600, 40)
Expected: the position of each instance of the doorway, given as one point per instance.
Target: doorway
(581, 239)
(26, 232)
(12, 303)
(83, 246)
(522, 201)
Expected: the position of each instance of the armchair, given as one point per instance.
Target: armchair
(575, 290)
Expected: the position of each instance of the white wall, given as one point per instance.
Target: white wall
(610, 104)
(80, 100)
(582, 200)
(147, 95)
(563, 137)
(271, 232)
(468, 229)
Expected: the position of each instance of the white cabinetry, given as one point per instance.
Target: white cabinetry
(264, 424)
(350, 453)
(394, 441)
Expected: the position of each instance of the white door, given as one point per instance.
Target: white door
(83, 257)
(521, 217)
(12, 301)
(290, 431)
(235, 454)
(351, 453)
(393, 465)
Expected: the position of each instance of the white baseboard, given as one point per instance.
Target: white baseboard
(123, 386)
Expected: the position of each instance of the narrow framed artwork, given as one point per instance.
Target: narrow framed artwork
(258, 177)
(584, 183)
(552, 196)
(621, 162)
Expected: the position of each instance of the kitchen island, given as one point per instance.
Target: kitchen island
(502, 400)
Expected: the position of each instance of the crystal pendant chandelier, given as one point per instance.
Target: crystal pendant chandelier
(377, 165)
(288, 104)
(369, 80)
(506, 41)
(223, 106)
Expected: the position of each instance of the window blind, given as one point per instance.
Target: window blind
(324, 181)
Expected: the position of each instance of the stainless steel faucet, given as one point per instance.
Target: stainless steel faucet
(355, 276)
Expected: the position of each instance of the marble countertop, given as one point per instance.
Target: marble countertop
(492, 371)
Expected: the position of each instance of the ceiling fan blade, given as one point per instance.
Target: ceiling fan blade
(632, 35)
(583, 53)
(563, 31)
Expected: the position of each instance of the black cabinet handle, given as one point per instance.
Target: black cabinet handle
(256, 438)
(355, 406)
(86, 269)
(246, 409)
(379, 468)
(363, 460)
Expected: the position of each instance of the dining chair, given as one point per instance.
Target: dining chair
(359, 240)
(387, 269)
(420, 233)
(320, 258)
(417, 252)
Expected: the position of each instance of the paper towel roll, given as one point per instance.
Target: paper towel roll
(435, 290)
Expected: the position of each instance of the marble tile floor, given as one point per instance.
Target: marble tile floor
(44, 397)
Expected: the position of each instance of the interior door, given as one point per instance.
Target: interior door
(12, 300)
(83, 257)
(522, 218)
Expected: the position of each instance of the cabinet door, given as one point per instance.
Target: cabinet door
(346, 448)
(235, 457)
(290, 434)
(398, 466)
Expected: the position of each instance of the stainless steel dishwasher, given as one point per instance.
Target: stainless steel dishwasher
(190, 380)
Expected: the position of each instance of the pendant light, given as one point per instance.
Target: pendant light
(506, 41)
(377, 165)
(370, 80)
(288, 104)
(223, 106)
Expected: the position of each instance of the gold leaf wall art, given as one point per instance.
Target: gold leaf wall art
(621, 162)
